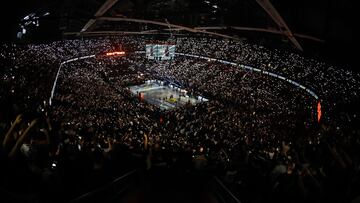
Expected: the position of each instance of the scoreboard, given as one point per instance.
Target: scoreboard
(160, 51)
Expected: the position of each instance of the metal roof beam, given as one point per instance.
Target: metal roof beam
(163, 24)
(274, 14)
(105, 7)
(268, 30)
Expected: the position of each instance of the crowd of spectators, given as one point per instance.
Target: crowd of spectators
(258, 133)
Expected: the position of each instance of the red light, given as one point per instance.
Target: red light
(115, 53)
(318, 111)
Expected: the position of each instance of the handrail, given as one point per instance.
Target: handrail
(98, 190)
(227, 190)
(125, 175)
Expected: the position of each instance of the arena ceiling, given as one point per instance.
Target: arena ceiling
(204, 16)
(297, 22)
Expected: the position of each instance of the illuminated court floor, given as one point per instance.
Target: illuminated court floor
(164, 96)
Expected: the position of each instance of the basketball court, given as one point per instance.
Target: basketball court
(164, 96)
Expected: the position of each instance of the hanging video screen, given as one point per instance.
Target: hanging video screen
(160, 51)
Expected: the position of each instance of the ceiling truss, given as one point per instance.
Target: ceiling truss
(265, 4)
(274, 14)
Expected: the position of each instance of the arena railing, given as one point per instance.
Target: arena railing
(292, 82)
